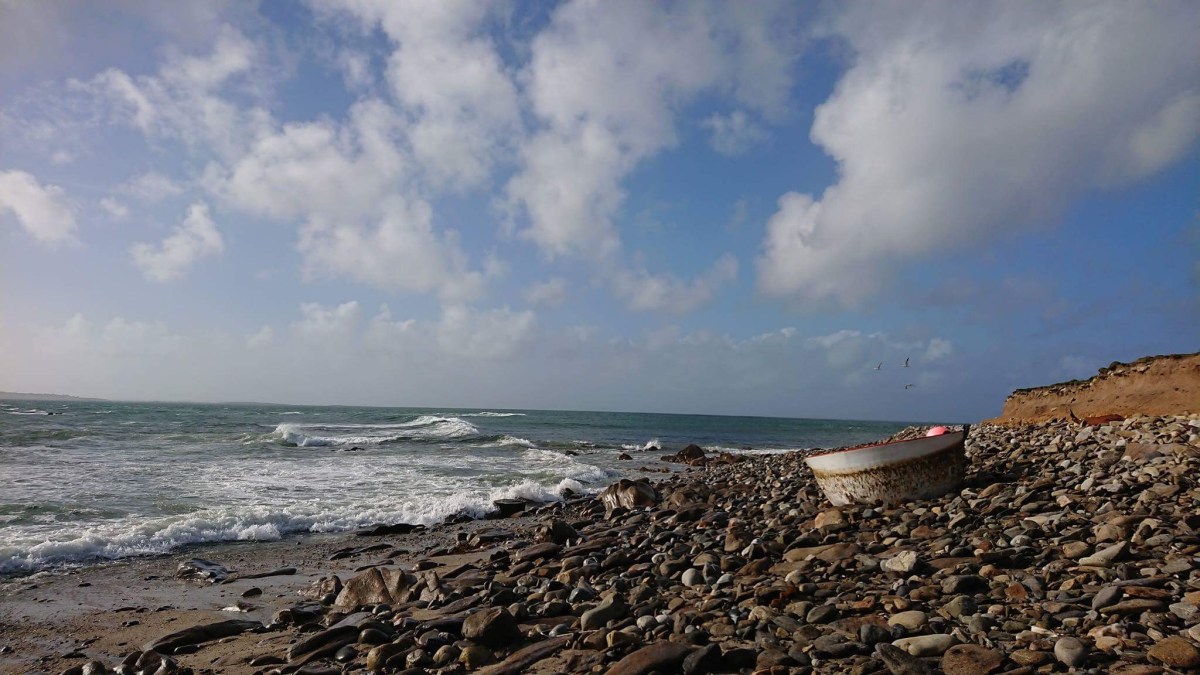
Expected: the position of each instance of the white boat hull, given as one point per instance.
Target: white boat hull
(893, 472)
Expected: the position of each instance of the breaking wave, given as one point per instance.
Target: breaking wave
(423, 428)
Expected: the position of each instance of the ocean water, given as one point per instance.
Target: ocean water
(83, 482)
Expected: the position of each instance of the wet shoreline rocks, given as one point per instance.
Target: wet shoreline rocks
(1069, 549)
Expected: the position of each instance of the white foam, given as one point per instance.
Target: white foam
(425, 427)
(491, 414)
(505, 441)
(652, 443)
(292, 412)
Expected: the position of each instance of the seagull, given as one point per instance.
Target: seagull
(879, 366)
(908, 386)
(905, 363)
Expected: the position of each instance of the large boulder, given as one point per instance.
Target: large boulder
(492, 627)
(629, 494)
(377, 585)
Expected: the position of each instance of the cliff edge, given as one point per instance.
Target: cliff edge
(1152, 385)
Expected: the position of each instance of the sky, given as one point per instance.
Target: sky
(703, 207)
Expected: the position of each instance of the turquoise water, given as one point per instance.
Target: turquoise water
(90, 481)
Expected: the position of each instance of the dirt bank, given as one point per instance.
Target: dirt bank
(1154, 385)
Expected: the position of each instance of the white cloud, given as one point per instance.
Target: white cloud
(956, 124)
(61, 157)
(183, 100)
(734, 133)
(485, 335)
(606, 83)
(643, 291)
(151, 187)
(114, 208)
(42, 210)
(320, 324)
(196, 237)
(446, 73)
(548, 293)
(261, 338)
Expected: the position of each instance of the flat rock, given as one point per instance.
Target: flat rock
(491, 627)
(971, 660)
(521, 659)
(1175, 652)
(199, 634)
(664, 657)
(926, 645)
(198, 569)
(1070, 651)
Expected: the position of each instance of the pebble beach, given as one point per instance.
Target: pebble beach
(1071, 548)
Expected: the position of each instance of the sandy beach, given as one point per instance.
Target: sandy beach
(1069, 547)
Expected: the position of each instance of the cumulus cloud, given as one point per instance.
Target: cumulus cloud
(185, 99)
(548, 293)
(195, 238)
(734, 133)
(320, 324)
(114, 208)
(151, 187)
(42, 210)
(643, 291)
(593, 132)
(261, 338)
(958, 124)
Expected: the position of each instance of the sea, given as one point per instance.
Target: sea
(83, 482)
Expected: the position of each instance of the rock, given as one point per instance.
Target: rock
(475, 656)
(663, 657)
(971, 660)
(832, 520)
(537, 551)
(560, 532)
(508, 507)
(1109, 595)
(912, 620)
(199, 634)
(625, 456)
(518, 661)
(692, 577)
(1175, 652)
(903, 562)
(279, 572)
(821, 614)
(1075, 549)
(323, 643)
(1105, 556)
(387, 530)
(201, 570)
(377, 585)
(925, 645)
(628, 494)
(378, 657)
(491, 627)
(1070, 652)
(705, 660)
(609, 610)
(900, 662)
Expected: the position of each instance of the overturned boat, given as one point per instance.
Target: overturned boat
(893, 472)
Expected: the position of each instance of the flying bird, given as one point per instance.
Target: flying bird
(879, 366)
(906, 363)
(908, 386)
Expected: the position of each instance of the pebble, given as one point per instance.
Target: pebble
(925, 645)
(1070, 651)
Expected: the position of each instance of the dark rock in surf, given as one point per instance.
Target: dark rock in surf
(204, 571)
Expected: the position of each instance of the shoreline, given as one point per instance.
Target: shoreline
(1068, 547)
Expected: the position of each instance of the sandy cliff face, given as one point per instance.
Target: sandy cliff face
(1154, 385)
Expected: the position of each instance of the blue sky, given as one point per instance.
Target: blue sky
(680, 207)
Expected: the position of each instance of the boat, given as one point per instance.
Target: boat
(893, 472)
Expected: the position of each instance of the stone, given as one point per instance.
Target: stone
(900, 662)
(597, 617)
(491, 627)
(821, 614)
(508, 507)
(705, 660)
(1070, 651)
(323, 643)
(911, 620)
(971, 660)
(1109, 595)
(476, 656)
(1106, 556)
(1075, 549)
(1175, 652)
(537, 551)
(692, 577)
(628, 494)
(663, 657)
(200, 570)
(925, 645)
(903, 562)
(831, 520)
(199, 634)
(377, 585)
